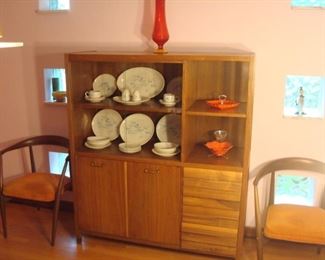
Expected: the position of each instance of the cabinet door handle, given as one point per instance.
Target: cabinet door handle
(97, 165)
(151, 171)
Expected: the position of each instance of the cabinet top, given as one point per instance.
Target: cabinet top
(175, 57)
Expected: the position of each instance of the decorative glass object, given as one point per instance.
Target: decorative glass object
(220, 135)
(160, 33)
(300, 102)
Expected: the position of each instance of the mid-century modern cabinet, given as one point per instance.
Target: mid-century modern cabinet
(193, 201)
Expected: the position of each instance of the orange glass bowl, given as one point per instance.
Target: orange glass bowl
(222, 104)
(219, 148)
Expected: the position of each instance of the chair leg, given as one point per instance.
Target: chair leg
(259, 247)
(55, 221)
(3, 216)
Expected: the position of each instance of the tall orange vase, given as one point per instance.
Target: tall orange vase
(160, 32)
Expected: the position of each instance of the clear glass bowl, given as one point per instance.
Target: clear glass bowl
(220, 135)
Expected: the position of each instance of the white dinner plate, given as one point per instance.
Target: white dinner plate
(165, 154)
(149, 82)
(106, 123)
(137, 129)
(175, 86)
(168, 128)
(106, 84)
(129, 103)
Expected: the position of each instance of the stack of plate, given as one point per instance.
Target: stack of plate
(97, 142)
(165, 149)
(127, 148)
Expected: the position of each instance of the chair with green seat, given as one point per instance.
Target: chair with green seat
(295, 223)
(41, 189)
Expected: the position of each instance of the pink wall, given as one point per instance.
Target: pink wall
(285, 40)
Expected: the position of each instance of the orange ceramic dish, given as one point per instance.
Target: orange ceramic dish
(222, 104)
(219, 148)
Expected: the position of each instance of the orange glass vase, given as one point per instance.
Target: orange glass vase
(160, 32)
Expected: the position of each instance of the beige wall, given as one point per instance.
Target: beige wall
(285, 41)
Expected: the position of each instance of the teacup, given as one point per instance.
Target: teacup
(126, 95)
(136, 96)
(93, 94)
(169, 98)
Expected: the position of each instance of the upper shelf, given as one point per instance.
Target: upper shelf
(151, 106)
(172, 57)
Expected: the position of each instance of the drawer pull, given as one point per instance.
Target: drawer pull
(151, 171)
(97, 165)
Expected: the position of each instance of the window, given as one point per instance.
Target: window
(56, 161)
(304, 96)
(295, 189)
(54, 80)
(308, 3)
(53, 5)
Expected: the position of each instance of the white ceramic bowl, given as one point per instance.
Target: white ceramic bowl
(98, 140)
(165, 147)
(127, 148)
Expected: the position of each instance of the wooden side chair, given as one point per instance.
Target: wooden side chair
(295, 223)
(41, 189)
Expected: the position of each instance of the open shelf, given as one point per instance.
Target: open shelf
(201, 155)
(201, 108)
(152, 106)
(144, 155)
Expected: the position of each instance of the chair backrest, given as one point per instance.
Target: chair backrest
(35, 141)
(290, 163)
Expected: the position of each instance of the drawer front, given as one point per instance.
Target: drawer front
(211, 203)
(212, 184)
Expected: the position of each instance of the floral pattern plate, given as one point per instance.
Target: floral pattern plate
(149, 82)
(168, 128)
(106, 84)
(106, 123)
(175, 86)
(137, 129)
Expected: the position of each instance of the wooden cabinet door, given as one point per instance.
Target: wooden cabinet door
(100, 196)
(154, 203)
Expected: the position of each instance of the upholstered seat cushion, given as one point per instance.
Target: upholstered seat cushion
(34, 186)
(296, 223)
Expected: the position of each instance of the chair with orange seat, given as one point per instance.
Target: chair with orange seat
(33, 187)
(294, 223)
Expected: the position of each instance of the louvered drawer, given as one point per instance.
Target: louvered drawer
(211, 203)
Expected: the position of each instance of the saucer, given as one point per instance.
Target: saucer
(165, 154)
(96, 147)
(95, 100)
(167, 104)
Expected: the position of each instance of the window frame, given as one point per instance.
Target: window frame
(44, 7)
